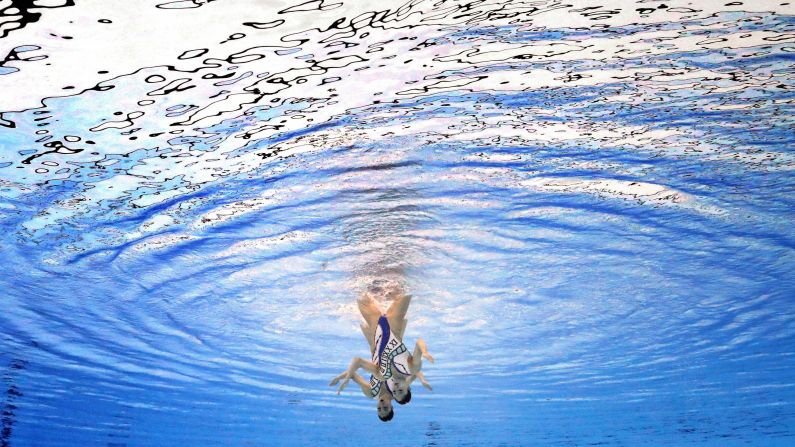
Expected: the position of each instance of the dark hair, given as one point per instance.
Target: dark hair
(406, 399)
(389, 416)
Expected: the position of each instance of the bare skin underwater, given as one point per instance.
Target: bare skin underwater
(392, 367)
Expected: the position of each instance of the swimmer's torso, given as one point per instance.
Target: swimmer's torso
(391, 356)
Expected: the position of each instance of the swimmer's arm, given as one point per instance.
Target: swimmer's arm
(363, 384)
(421, 376)
(424, 382)
(350, 373)
(420, 351)
(367, 365)
(357, 363)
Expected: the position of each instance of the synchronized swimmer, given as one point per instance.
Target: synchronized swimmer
(392, 367)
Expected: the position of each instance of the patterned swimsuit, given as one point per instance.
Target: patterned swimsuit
(391, 356)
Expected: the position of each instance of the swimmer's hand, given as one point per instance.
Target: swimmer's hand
(424, 349)
(356, 363)
(337, 379)
(346, 376)
(343, 385)
(424, 382)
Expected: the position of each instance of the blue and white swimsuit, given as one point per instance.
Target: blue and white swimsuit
(391, 356)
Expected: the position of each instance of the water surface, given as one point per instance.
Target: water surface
(591, 204)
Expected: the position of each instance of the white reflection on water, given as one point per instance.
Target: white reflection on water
(590, 203)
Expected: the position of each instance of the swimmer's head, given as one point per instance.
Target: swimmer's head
(401, 392)
(385, 411)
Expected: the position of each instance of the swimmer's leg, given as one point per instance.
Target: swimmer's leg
(397, 314)
(400, 329)
(369, 310)
(369, 333)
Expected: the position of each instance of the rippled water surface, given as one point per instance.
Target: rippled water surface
(591, 203)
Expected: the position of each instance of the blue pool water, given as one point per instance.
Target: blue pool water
(591, 205)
